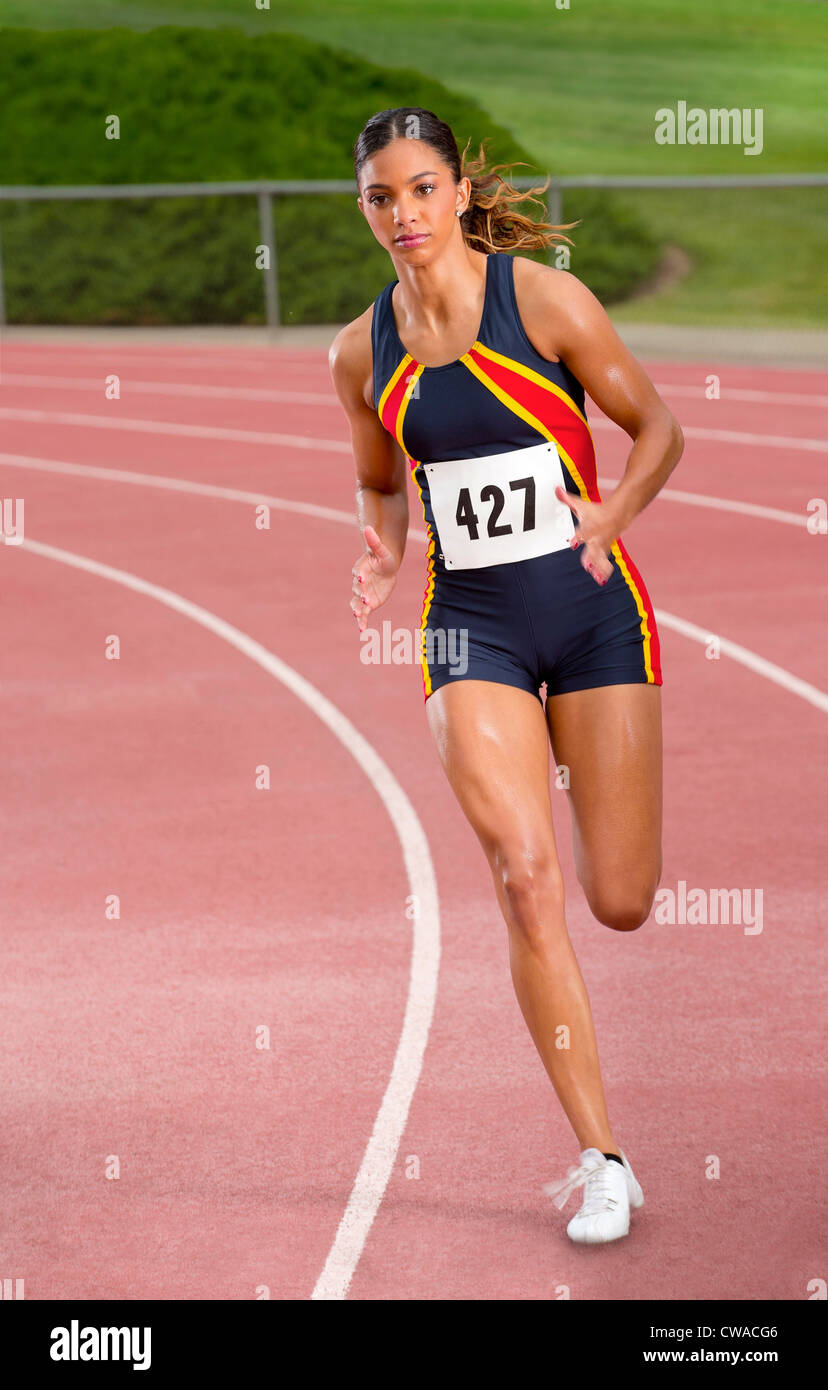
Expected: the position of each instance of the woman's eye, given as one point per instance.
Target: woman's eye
(375, 196)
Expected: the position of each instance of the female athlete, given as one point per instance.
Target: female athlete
(470, 368)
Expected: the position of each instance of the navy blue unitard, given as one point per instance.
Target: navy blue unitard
(527, 621)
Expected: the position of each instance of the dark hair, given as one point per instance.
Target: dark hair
(491, 220)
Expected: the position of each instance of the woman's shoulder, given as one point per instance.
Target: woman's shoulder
(560, 285)
(350, 358)
(554, 302)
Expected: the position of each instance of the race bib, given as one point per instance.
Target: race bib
(499, 508)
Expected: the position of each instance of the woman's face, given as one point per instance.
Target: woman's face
(410, 199)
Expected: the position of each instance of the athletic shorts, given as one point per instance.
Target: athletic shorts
(542, 620)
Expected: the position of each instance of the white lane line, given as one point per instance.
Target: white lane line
(740, 393)
(381, 1151)
(169, 388)
(721, 504)
(756, 441)
(255, 393)
(244, 360)
(743, 655)
(229, 494)
(112, 422)
(116, 422)
(747, 658)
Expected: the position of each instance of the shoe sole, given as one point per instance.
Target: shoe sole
(590, 1240)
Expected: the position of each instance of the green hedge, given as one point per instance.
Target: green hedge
(214, 104)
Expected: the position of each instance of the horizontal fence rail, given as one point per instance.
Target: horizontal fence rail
(264, 190)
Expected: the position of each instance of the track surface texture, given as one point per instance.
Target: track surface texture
(219, 1004)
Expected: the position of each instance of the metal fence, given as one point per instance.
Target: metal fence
(265, 190)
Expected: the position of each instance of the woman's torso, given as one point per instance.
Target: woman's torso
(500, 396)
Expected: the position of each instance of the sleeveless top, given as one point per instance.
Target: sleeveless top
(500, 395)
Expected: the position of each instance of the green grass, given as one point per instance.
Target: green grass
(759, 258)
(578, 89)
(233, 108)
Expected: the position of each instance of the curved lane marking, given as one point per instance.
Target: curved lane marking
(340, 446)
(381, 1150)
(230, 494)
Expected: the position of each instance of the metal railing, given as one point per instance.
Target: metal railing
(265, 190)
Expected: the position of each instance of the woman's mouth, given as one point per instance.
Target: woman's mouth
(412, 240)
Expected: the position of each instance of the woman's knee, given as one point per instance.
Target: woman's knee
(621, 894)
(531, 889)
(623, 909)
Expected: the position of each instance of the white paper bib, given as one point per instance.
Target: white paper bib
(498, 508)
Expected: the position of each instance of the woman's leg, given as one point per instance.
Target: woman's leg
(493, 743)
(610, 740)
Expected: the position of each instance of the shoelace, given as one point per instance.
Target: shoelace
(596, 1196)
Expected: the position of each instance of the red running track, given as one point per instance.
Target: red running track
(133, 1044)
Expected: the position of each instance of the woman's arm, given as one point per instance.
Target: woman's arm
(566, 320)
(382, 481)
(587, 342)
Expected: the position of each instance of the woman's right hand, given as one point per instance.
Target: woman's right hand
(374, 576)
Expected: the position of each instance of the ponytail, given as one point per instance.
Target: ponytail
(492, 222)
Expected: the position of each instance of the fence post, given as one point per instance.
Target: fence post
(271, 276)
(553, 203)
(553, 214)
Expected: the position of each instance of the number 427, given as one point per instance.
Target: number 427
(466, 515)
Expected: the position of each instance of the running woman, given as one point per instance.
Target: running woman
(470, 369)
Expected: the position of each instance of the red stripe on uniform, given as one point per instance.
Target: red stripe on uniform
(655, 645)
(555, 414)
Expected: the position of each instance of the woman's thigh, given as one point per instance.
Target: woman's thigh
(609, 738)
(494, 747)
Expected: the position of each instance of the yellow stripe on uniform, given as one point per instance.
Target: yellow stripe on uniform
(429, 589)
(519, 409)
(535, 377)
(514, 405)
(642, 612)
(391, 384)
(404, 400)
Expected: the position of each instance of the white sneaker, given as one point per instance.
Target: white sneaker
(609, 1193)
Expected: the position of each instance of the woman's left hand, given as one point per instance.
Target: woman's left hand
(593, 531)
